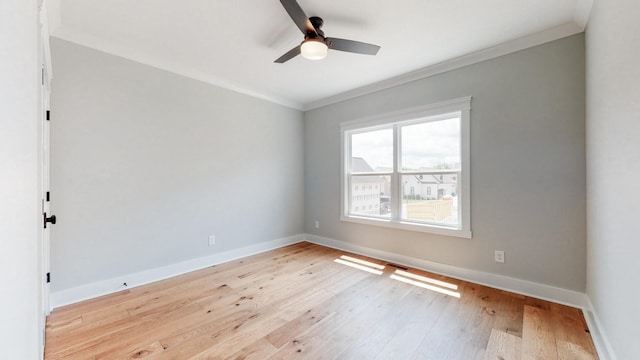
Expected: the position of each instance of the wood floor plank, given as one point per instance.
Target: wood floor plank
(319, 338)
(488, 303)
(145, 352)
(272, 318)
(570, 330)
(538, 339)
(473, 338)
(306, 301)
(136, 332)
(356, 336)
(571, 351)
(78, 308)
(510, 314)
(223, 336)
(243, 309)
(398, 311)
(503, 346)
(425, 309)
(155, 294)
(301, 324)
(193, 341)
(63, 323)
(364, 300)
(260, 302)
(259, 350)
(451, 326)
(466, 351)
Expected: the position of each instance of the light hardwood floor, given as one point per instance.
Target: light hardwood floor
(306, 301)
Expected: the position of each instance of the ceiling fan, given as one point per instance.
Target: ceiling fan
(315, 44)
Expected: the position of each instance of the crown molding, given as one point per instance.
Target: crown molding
(519, 44)
(580, 18)
(52, 9)
(93, 42)
(582, 12)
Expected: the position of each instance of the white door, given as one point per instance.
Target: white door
(47, 218)
(45, 256)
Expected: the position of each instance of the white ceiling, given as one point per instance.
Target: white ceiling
(233, 43)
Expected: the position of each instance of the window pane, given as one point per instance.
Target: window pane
(431, 145)
(370, 195)
(409, 169)
(431, 198)
(372, 151)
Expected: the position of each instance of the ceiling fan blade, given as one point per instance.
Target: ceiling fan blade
(352, 46)
(298, 16)
(289, 55)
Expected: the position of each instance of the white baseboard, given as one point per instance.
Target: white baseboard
(600, 340)
(104, 287)
(524, 287)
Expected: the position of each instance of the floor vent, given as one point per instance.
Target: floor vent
(398, 266)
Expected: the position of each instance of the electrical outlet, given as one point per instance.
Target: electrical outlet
(499, 256)
(212, 240)
(317, 224)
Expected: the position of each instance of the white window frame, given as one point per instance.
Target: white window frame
(461, 107)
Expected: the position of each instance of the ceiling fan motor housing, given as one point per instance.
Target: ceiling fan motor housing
(315, 44)
(317, 23)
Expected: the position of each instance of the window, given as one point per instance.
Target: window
(413, 168)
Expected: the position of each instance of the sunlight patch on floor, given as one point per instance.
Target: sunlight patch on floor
(360, 264)
(427, 280)
(423, 285)
(406, 277)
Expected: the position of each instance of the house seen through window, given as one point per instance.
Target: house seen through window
(409, 170)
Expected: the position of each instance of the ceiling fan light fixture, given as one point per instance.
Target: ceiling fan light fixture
(313, 49)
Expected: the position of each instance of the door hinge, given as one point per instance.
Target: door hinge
(48, 196)
(48, 115)
(48, 277)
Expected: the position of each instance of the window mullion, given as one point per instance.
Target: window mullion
(396, 191)
(374, 194)
(346, 204)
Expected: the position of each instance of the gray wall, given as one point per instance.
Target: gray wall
(527, 166)
(21, 313)
(613, 170)
(147, 164)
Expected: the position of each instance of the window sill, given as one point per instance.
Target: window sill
(466, 234)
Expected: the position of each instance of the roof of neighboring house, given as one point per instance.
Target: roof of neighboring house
(360, 165)
(435, 179)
